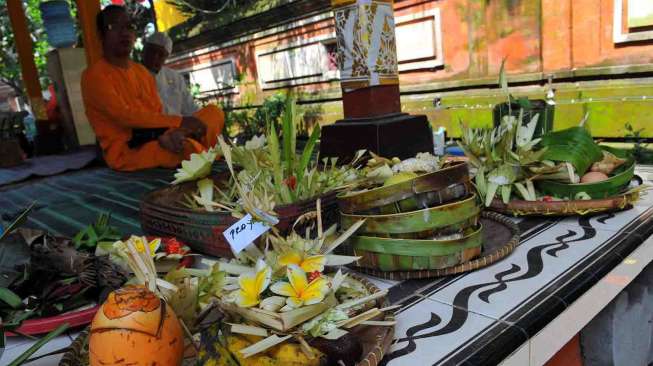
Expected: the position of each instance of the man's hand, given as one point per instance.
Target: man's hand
(173, 140)
(196, 127)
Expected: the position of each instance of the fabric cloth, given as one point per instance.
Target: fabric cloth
(160, 39)
(48, 165)
(118, 100)
(174, 93)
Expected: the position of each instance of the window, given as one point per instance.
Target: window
(308, 62)
(419, 40)
(638, 25)
(217, 77)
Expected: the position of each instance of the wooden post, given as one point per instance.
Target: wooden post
(369, 78)
(87, 10)
(24, 49)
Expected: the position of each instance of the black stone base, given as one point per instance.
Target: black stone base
(400, 135)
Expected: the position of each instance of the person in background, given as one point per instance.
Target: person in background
(173, 88)
(125, 111)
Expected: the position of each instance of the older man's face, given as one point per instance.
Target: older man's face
(120, 34)
(154, 56)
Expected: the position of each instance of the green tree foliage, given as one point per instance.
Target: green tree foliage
(10, 73)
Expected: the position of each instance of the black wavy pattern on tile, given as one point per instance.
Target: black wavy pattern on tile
(535, 259)
(606, 217)
(485, 295)
(535, 262)
(532, 319)
(458, 319)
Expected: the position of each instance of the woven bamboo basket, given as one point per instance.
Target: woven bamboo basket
(376, 340)
(427, 190)
(390, 254)
(161, 214)
(500, 236)
(608, 188)
(565, 208)
(433, 221)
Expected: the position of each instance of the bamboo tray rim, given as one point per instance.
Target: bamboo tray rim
(148, 200)
(454, 165)
(471, 197)
(481, 262)
(476, 231)
(565, 208)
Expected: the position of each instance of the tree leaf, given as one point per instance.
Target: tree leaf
(503, 80)
(14, 254)
(525, 132)
(505, 193)
(481, 184)
(10, 298)
(307, 155)
(491, 192)
(289, 135)
(523, 191)
(574, 145)
(531, 190)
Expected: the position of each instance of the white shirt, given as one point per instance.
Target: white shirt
(174, 93)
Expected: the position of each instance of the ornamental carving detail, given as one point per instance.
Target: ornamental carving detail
(367, 51)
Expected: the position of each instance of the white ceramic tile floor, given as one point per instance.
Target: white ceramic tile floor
(56, 344)
(501, 302)
(431, 349)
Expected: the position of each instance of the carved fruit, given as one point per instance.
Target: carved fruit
(135, 327)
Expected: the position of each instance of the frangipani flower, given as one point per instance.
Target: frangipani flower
(252, 285)
(197, 167)
(299, 291)
(308, 264)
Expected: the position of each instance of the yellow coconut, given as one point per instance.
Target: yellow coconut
(135, 327)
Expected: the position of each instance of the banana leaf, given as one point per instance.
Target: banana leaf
(289, 135)
(574, 145)
(307, 155)
(604, 189)
(14, 254)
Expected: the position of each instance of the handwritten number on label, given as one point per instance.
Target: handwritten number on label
(244, 232)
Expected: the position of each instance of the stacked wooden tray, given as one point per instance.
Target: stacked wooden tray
(425, 223)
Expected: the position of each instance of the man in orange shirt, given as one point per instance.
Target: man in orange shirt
(123, 106)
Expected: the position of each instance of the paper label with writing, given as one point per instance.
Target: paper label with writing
(244, 232)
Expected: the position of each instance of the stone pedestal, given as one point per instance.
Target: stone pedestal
(367, 59)
(398, 135)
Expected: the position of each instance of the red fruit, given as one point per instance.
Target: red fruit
(547, 199)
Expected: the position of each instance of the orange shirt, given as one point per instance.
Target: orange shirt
(119, 99)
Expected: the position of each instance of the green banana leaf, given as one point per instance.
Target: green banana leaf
(613, 186)
(574, 145)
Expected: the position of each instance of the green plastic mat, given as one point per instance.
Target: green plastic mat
(69, 202)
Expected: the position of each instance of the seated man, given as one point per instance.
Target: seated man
(123, 106)
(173, 89)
